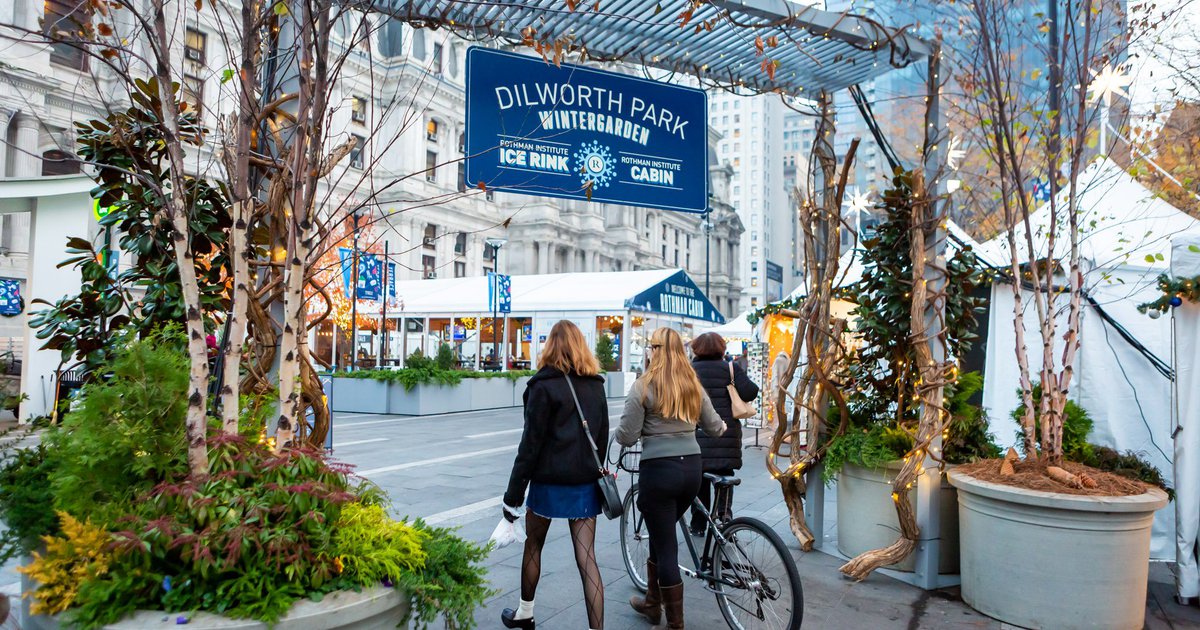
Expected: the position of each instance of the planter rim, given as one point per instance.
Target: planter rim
(895, 464)
(1152, 500)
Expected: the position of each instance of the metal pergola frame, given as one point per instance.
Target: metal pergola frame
(727, 44)
(815, 50)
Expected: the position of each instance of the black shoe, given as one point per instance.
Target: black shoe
(506, 618)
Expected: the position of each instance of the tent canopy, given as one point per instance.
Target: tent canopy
(1122, 224)
(736, 328)
(603, 291)
(815, 50)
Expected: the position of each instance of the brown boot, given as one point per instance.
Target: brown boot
(672, 597)
(650, 606)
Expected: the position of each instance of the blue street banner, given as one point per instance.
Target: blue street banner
(370, 274)
(392, 280)
(580, 133)
(677, 295)
(10, 297)
(499, 292)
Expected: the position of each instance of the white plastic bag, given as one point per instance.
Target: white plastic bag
(507, 533)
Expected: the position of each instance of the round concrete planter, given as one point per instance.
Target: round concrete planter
(376, 608)
(866, 516)
(1050, 560)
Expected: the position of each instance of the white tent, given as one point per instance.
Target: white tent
(1185, 263)
(1124, 245)
(736, 329)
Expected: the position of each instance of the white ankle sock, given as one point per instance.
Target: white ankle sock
(524, 610)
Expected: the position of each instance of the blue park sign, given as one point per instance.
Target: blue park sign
(579, 133)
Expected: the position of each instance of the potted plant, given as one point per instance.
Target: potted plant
(128, 536)
(1046, 542)
(866, 456)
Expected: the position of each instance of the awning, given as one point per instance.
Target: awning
(719, 43)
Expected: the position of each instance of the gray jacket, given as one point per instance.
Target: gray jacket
(662, 437)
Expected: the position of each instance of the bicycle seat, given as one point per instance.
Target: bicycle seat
(722, 480)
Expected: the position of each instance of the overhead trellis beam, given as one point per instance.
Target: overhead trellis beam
(756, 45)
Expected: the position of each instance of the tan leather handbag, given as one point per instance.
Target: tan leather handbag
(741, 408)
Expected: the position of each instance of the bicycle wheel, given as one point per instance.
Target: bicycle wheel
(635, 540)
(757, 582)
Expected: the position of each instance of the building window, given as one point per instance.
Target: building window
(431, 161)
(677, 258)
(737, 162)
(664, 252)
(754, 236)
(460, 243)
(754, 251)
(489, 195)
(428, 267)
(193, 93)
(430, 236)
(488, 252)
(418, 43)
(358, 110)
(55, 162)
(462, 143)
(356, 154)
(753, 301)
(737, 133)
(391, 38)
(737, 118)
(195, 46)
(460, 269)
(754, 281)
(431, 130)
(437, 59)
(462, 176)
(63, 25)
(754, 265)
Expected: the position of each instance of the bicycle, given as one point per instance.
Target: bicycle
(743, 562)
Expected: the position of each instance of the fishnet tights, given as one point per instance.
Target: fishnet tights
(583, 537)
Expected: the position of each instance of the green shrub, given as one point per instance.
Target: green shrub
(967, 436)
(445, 357)
(871, 447)
(126, 434)
(1077, 425)
(369, 547)
(453, 583)
(417, 360)
(26, 502)
(605, 350)
(410, 377)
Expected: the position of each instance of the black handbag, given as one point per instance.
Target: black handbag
(610, 498)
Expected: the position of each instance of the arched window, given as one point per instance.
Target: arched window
(390, 38)
(418, 44)
(452, 60)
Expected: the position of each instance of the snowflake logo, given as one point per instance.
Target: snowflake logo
(595, 165)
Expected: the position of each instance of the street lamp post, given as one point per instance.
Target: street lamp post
(708, 230)
(495, 243)
(354, 299)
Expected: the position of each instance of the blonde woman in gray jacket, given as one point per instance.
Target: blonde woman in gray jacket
(662, 410)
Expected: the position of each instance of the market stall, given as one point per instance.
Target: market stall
(624, 306)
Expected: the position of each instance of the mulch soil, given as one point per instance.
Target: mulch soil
(1032, 476)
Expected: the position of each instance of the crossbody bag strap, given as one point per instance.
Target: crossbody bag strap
(583, 420)
(731, 381)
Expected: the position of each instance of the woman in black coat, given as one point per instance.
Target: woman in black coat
(556, 464)
(721, 454)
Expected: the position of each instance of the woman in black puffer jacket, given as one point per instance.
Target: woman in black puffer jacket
(721, 454)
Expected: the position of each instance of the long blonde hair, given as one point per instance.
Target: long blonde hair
(677, 390)
(567, 351)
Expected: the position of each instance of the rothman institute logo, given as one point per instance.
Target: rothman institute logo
(594, 164)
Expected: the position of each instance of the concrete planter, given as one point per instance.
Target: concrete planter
(360, 395)
(1050, 560)
(616, 384)
(867, 516)
(376, 608)
(519, 391)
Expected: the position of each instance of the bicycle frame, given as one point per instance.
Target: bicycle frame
(713, 540)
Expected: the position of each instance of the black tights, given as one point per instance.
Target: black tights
(666, 487)
(583, 537)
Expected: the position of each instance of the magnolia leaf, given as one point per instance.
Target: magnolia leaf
(280, 8)
(1194, 249)
(1159, 257)
(1149, 258)
(226, 75)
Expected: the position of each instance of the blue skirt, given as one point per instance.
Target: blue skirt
(551, 500)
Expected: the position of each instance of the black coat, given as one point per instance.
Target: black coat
(553, 447)
(723, 452)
